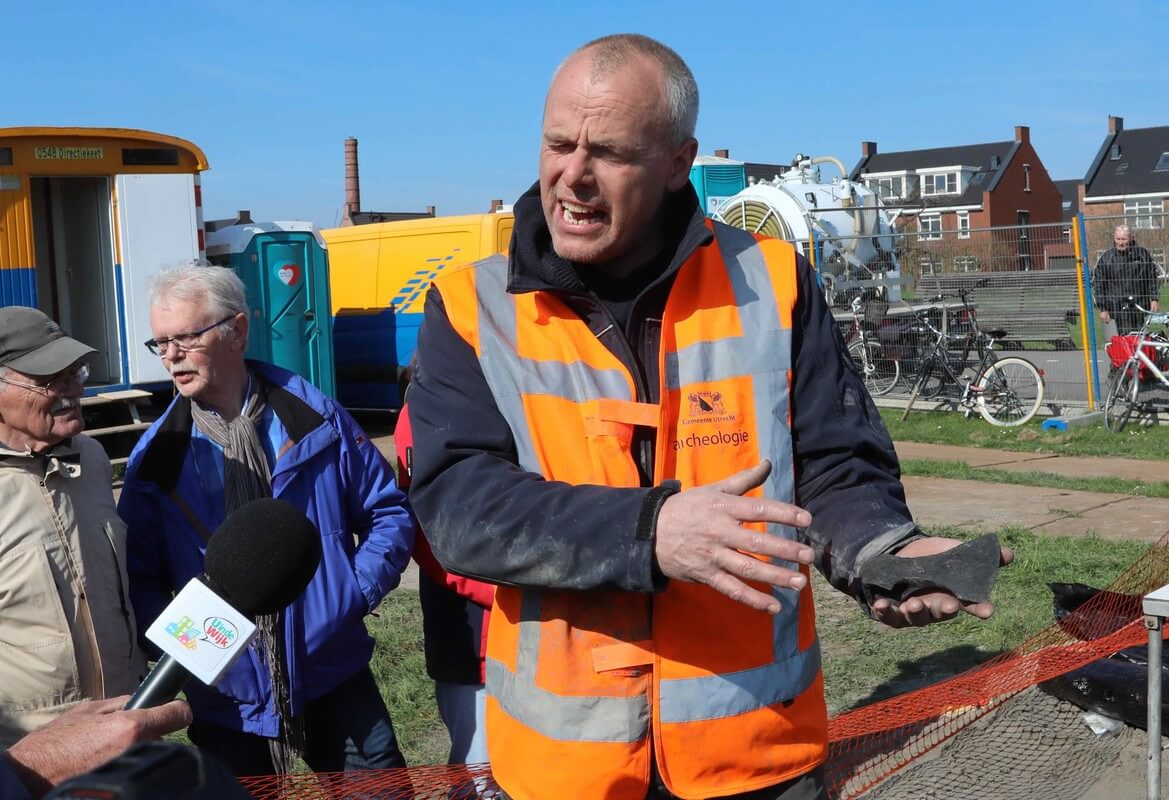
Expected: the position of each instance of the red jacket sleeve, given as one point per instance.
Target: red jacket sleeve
(478, 592)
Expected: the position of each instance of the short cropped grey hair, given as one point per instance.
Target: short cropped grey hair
(1122, 227)
(218, 289)
(609, 53)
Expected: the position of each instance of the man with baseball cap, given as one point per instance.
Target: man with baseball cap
(66, 627)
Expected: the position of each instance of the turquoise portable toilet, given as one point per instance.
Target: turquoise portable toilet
(717, 179)
(285, 268)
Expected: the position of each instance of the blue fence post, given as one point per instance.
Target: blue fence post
(1090, 307)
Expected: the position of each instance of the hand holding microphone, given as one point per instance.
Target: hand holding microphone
(258, 561)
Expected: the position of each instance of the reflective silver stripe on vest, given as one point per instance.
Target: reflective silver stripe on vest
(765, 354)
(716, 696)
(510, 377)
(578, 719)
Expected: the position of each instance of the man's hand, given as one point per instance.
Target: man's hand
(1105, 316)
(700, 538)
(87, 735)
(926, 607)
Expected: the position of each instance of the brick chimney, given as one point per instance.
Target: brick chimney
(352, 182)
(1115, 124)
(430, 211)
(1022, 134)
(495, 204)
(722, 153)
(868, 149)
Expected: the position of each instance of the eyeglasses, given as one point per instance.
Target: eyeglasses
(184, 341)
(56, 384)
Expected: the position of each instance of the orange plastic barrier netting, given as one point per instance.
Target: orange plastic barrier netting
(871, 744)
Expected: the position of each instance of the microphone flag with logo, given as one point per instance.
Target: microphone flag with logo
(258, 561)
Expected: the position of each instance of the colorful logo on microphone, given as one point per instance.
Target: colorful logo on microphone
(216, 630)
(185, 631)
(219, 632)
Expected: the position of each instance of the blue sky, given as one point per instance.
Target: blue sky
(445, 98)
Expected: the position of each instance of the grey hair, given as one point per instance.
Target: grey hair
(1122, 227)
(218, 289)
(609, 53)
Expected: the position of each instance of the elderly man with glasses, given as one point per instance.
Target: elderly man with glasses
(66, 629)
(240, 430)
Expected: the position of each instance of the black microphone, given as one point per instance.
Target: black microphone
(258, 561)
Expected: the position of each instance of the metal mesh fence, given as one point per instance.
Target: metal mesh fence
(1021, 284)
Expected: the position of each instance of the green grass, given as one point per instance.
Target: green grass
(959, 471)
(400, 670)
(865, 662)
(1088, 440)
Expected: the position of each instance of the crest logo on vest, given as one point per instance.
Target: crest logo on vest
(707, 407)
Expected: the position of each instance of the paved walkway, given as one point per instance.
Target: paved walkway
(983, 505)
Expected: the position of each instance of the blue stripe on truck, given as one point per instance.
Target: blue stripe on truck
(371, 350)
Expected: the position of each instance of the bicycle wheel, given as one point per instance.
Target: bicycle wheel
(879, 373)
(1009, 391)
(1122, 397)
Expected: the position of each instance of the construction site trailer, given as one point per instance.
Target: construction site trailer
(87, 217)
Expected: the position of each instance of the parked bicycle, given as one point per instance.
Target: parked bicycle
(1139, 361)
(880, 372)
(1004, 391)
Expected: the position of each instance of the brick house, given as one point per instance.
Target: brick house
(946, 195)
(964, 187)
(1128, 182)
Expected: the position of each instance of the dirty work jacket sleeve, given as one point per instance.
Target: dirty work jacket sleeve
(847, 474)
(487, 518)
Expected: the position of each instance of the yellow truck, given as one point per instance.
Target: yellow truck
(378, 277)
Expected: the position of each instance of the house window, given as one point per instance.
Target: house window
(929, 226)
(1162, 163)
(963, 224)
(1147, 214)
(941, 183)
(966, 263)
(1026, 177)
(892, 188)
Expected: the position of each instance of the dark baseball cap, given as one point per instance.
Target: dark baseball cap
(32, 343)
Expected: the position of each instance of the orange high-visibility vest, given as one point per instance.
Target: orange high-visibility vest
(582, 684)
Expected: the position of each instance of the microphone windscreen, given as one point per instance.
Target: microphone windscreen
(263, 556)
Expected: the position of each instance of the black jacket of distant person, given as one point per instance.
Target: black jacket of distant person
(1121, 274)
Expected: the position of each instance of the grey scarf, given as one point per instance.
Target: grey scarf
(247, 477)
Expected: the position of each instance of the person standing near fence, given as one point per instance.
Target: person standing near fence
(1124, 270)
(614, 424)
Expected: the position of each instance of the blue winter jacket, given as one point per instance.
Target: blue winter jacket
(328, 469)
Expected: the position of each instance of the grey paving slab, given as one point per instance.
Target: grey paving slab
(985, 506)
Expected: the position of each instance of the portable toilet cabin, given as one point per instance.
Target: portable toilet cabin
(286, 271)
(716, 179)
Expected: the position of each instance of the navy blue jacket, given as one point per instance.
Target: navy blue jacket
(488, 519)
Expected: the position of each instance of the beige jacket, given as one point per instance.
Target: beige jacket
(66, 627)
